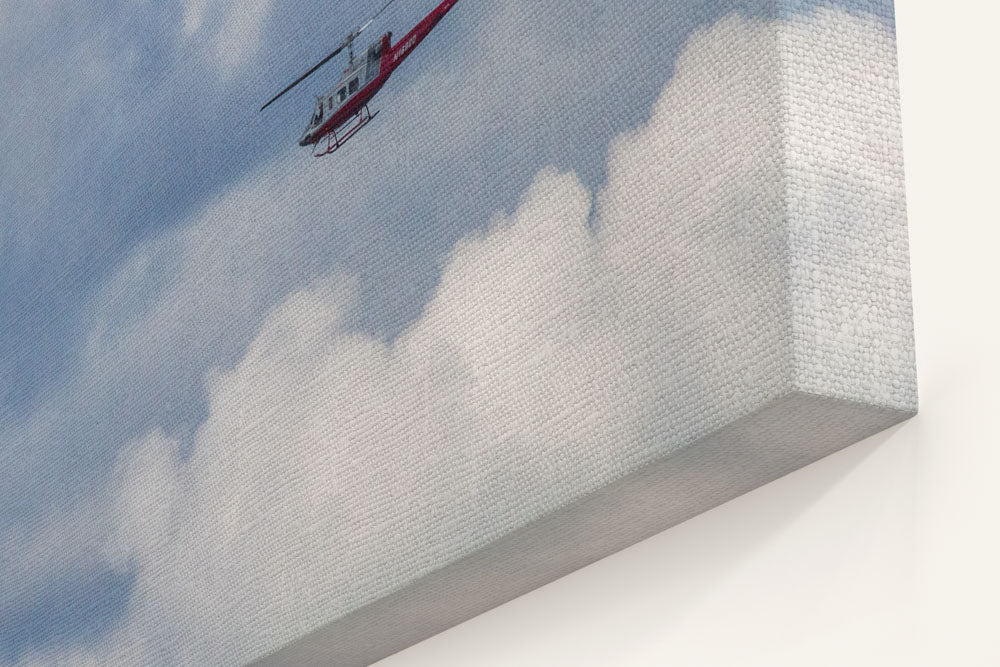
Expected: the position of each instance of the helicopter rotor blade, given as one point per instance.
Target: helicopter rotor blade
(350, 38)
(307, 74)
(374, 16)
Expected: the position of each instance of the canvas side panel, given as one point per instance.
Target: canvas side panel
(847, 210)
(787, 434)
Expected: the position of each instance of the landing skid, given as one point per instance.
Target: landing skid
(335, 141)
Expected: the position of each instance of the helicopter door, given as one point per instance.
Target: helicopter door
(352, 87)
(374, 61)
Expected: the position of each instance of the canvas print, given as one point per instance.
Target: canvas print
(327, 326)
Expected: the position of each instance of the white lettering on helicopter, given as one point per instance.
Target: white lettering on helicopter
(405, 48)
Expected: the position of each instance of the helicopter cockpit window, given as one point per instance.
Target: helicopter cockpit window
(353, 86)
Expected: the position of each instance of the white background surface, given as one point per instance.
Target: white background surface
(887, 553)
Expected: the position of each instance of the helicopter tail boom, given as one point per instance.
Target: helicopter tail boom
(407, 44)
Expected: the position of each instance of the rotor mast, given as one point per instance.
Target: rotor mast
(348, 42)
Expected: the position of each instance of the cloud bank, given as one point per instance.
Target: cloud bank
(563, 340)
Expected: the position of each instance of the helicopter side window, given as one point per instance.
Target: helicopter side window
(342, 94)
(353, 86)
(329, 102)
(373, 61)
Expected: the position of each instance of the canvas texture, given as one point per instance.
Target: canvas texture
(595, 268)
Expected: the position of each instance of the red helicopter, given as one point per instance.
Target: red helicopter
(363, 78)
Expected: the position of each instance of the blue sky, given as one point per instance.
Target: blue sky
(131, 129)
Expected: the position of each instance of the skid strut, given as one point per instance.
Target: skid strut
(335, 141)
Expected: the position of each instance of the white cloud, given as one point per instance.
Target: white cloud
(241, 31)
(234, 29)
(331, 464)
(194, 13)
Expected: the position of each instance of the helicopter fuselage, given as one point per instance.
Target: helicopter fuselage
(365, 76)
